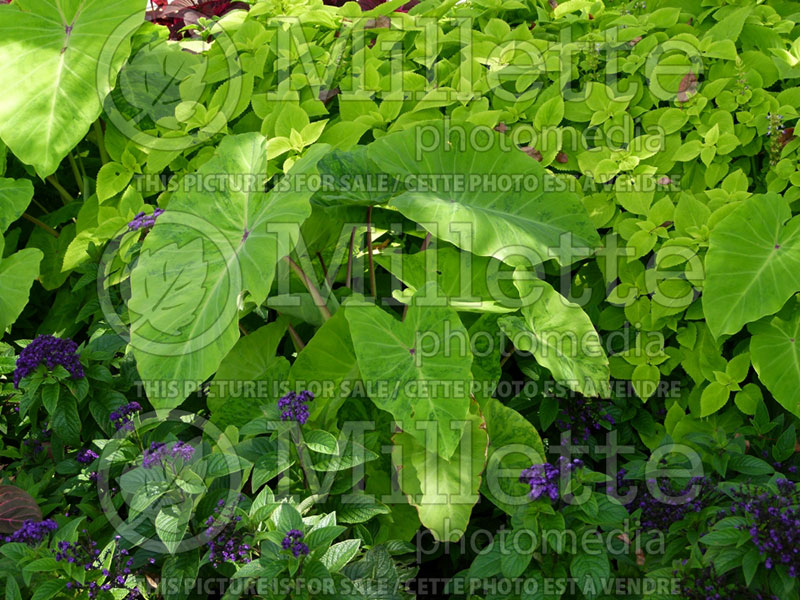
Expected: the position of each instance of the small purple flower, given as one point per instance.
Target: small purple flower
(32, 532)
(293, 541)
(543, 478)
(122, 416)
(51, 351)
(86, 456)
(144, 221)
(182, 450)
(154, 455)
(294, 406)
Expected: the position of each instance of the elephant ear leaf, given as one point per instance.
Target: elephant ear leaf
(752, 265)
(483, 197)
(60, 60)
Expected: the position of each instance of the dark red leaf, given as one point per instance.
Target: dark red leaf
(16, 506)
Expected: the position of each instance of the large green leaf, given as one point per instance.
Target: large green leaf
(443, 491)
(471, 282)
(776, 358)
(60, 59)
(238, 392)
(563, 339)
(221, 235)
(17, 273)
(752, 265)
(15, 195)
(514, 445)
(462, 193)
(418, 369)
(328, 365)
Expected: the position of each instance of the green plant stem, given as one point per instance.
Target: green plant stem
(40, 224)
(349, 277)
(101, 144)
(76, 173)
(312, 289)
(63, 192)
(298, 342)
(372, 285)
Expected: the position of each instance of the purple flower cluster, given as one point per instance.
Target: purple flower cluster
(706, 584)
(32, 532)
(293, 541)
(86, 456)
(294, 406)
(115, 575)
(671, 503)
(51, 351)
(122, 416)
(157, 452)
(227, 544)
(143, 221)
(543, 478)
(154, 455)
(583, 417)
(774, 523)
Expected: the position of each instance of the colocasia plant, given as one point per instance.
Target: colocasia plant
(468, 299)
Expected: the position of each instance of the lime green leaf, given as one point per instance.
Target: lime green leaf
(17, 273)
(776, 358)
(53, 89)
(15, 195)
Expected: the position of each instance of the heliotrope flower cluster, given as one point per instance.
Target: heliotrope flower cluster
(158, 451)
(122, 416)
(706, 584)
(774, 523)
(293, 541)
(294, 406)
(51, 351)
(116, 574)
(36, 442)
(672, 504)
(227, 544)
(32, 532)
(583, 417)
(86, 456)
(143, 221)
(543, 478)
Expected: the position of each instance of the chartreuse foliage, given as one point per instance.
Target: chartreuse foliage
(479, 233)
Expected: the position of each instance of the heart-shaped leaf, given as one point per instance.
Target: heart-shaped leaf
(752, 265)
(222, 235)
(483, 197)
(60, 59)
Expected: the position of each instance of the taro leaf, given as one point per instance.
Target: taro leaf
(60, 60)
(514, 445)
(457, 193)
(328, 358)
(222, 235)
(563, 339)
(470, 282)
(351, 177)
(17, 273)
(417, 370)
(752, 265)
(16, 505)
(237, 393)
(15, 195)
(776, 358)
(443, 491)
